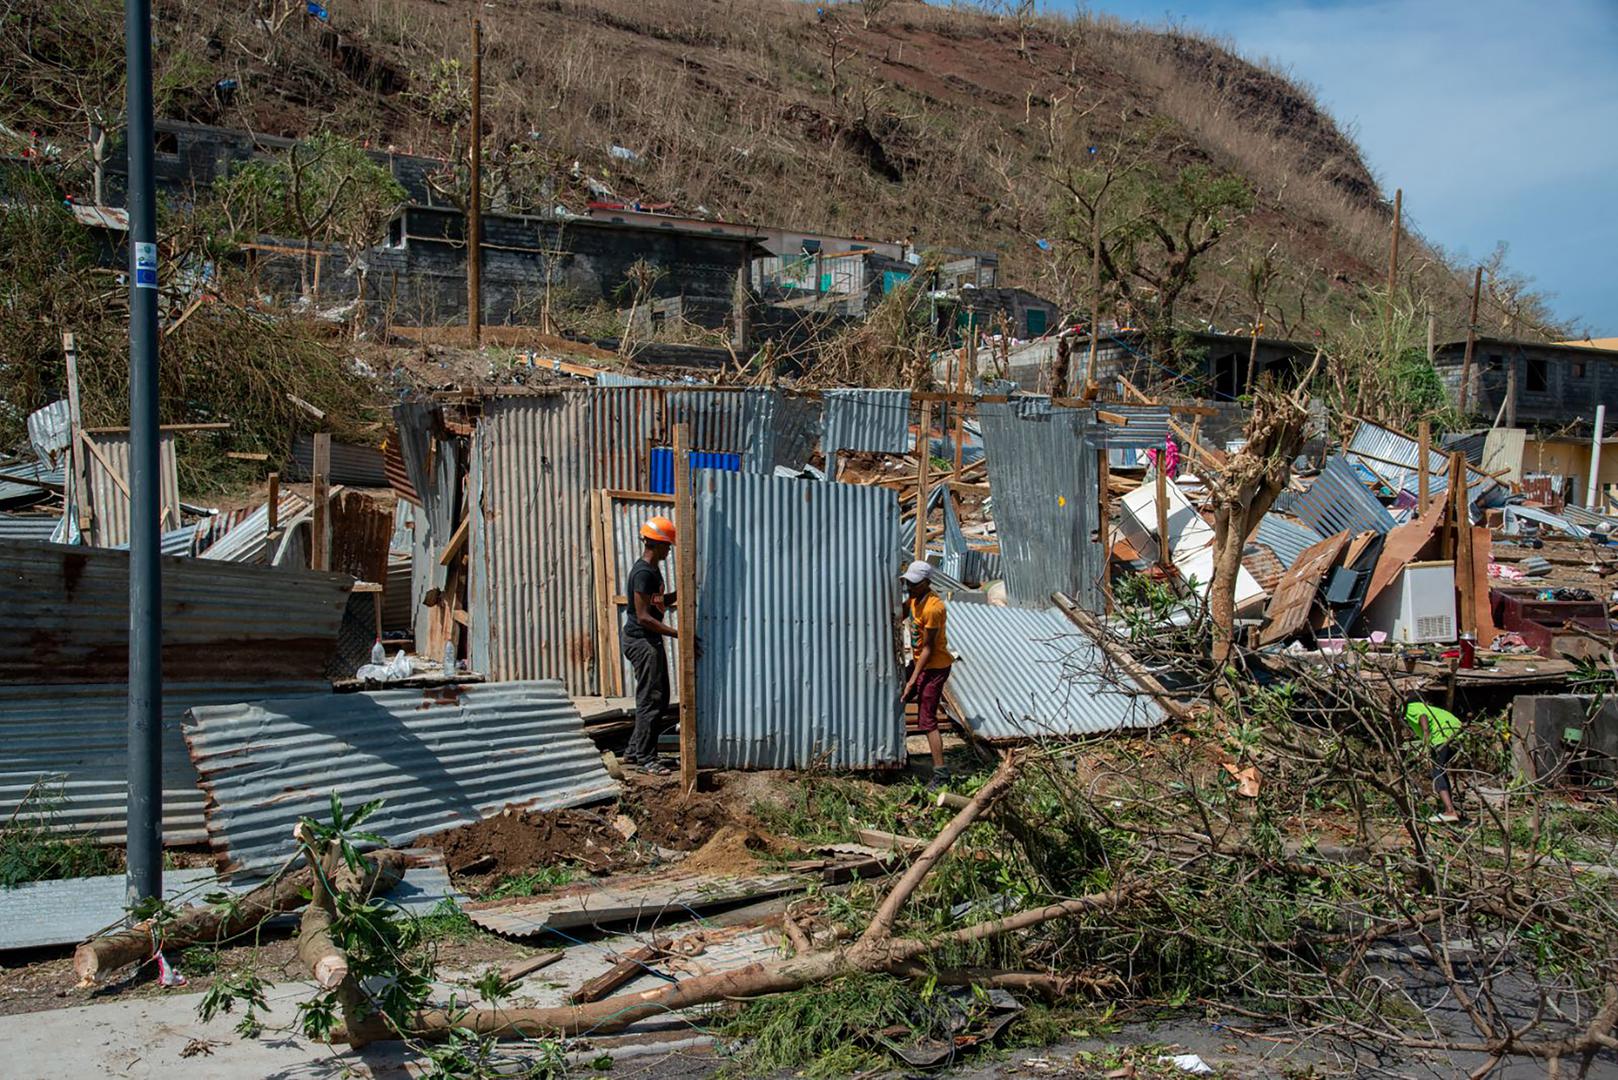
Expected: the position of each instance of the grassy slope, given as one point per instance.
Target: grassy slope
(761, 110)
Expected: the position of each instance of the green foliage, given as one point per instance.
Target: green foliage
(236, 988)
(532, 883)
(447, 922)
(829, 810)
(32, 850)
(324, 189)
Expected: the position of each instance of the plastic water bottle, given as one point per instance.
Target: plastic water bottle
(449, 658)
(379, 655)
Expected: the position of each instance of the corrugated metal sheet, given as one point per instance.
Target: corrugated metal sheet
(1589, 518)
(1045, 502)
(177, 542)
(440, 757)
(1337, 500)
(20, 494)
(36, 527)
(248, 541)
(50, 430)
(876, 421)
(110, 522)
(798, 423)
(67, 617)
(398, 612)
(733, 422)
(1148, 427)
(616, 379)
(532, 575)
(796, 607)
(623, 423)
(78, 735)
(354, 465)
(1287, 539)
(1026, 674)
(1393, 456)
(662, 461)
(404, 526)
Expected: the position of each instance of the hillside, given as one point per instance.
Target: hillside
(897, 120)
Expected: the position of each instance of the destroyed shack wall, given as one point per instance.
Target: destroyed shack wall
(1043, 475)
(796, 607)
(230, 631)
(109, 525)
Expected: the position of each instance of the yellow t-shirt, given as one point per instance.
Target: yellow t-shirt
(928, 614)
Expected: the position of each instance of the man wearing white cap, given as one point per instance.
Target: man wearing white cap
(930, 659)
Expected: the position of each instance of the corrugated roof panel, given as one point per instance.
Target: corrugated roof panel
(1287, 539)
(1337, 500)
(78, 737)
(50, 430)
(532, 590)
(351, 463)
(1026, 674)
(1148, 427)
(796, 609)
(110, 521)
(248, 540)
(439, 757)
(67, 617)
(1043, 476)
(1393, 457)
(36, 527)
(615, 379)
(27, 494)
(874, 421)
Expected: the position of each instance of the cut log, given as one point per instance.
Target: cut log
(215, 924)
(521, 969)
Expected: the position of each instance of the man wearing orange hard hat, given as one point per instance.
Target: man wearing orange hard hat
(642, 643)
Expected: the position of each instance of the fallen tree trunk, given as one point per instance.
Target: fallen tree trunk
(213, 924)
(875, 952)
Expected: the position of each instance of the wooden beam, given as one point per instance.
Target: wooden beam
(161, 427)
(1425, 441)
(1465, 582)
(318, 414)
(924, 460)
(81, 471)
(1130, 666)
(457, 542)
(1162, 480)
(1104, 524)
(600, 533)
(685, 586)
(1116, 419)
(320, 523)
(243, 455)
(95, 452)
(273, 507)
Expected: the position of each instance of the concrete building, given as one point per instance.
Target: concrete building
(1218, 362)
(1533, 383)
(782, 242)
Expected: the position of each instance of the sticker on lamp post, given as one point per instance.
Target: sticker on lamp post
(145, 266)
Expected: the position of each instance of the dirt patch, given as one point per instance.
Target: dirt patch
(672, 819)
(733, 849)
(516, 841)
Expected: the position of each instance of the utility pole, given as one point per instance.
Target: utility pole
(1393, 272)
(144, 876)
(1471, 341)
(474, 212)
(1095, 298)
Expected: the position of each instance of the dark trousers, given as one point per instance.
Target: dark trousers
(650, 662)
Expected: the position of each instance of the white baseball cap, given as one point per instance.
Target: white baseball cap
(918, 572)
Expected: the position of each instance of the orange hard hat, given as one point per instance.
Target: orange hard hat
(660, 529)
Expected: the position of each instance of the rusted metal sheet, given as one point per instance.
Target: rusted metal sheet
(1294, 597)
(798, 422)
(110, 520)
(352, 464)
(438, 757)
(1400, 546)
(731, 422)
(624, 421)
(398, 476)
(67, 617)
(72, 740)
(361, 536)
(797, 601)
(1027, 674)
(248, 540)
(532, 588)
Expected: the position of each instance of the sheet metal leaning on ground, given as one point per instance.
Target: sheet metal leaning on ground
(439, 757)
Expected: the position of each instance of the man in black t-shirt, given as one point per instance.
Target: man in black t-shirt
(642, 642)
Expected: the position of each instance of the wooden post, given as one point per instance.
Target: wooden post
(1163, 558)
(1471, 341)
(81, 471)
(1432, 339)
(1424, 436)
(924, 456)
(320, 523)
(1465, 585)
(1510, 403)
(969, 356)
(474, 202)
(1449, 540)
(272, 508)
(1095, 297)
(1393, 250)
(1103, 525)
(685, 588)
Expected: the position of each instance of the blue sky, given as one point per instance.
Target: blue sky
(1499, 118)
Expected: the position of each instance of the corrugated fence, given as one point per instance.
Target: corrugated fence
(877, 421)
(799, 662)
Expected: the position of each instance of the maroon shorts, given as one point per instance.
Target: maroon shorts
(928, 689)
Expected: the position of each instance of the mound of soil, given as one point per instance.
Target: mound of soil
(731, 850)
(516, 841)
(669, 818)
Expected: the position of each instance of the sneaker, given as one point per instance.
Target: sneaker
(651, 767)
(1444, 819)
(940, 779)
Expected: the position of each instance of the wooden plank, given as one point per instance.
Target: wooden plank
(604, 610)
(968, 355)
(638, 496)
(1465, 582)
(1116, 419)
(907, 845)
(1483, 617)
(117, 478)
(1295, 596)
(1165, 558)
(614, 565)
(320, 523)
(81, 470)
(272, 508)
(685, 588)
(457, 542)
(629, 965)
(318, 414)
(243, 455)
(1423, 482)
(519, 969)
(1104, 524)
(162, 427)
(923, 467)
